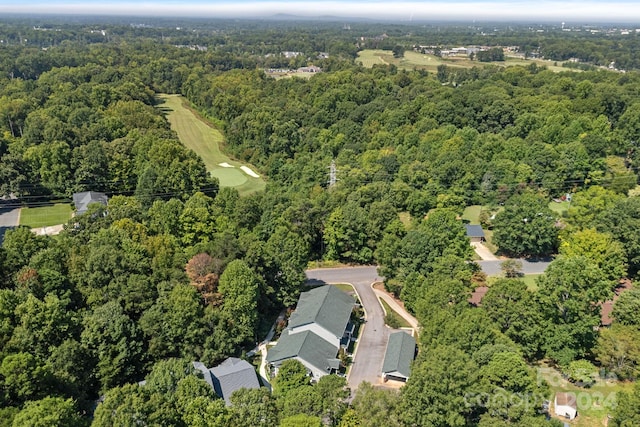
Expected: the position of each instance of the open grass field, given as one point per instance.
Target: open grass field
(206, 141)
(412, 59)
(45, 216)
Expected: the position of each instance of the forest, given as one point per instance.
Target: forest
(178, 269)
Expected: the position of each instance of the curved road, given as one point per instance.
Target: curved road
(369, 355)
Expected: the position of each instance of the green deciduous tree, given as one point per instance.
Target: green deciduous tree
(115, 341)
(291, 375)
(599, 248)
(526, 226)
(174, 324)
(376, 407)
(49, 412)
(626, 310)
(516, 313)
(568, 293)
(255, 407)
(435, 393)
(239, 287)
(627, 413)
(622, 221)
(618, 350)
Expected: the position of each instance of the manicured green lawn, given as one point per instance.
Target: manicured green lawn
(471, 214)
(206, 142)
(45, 216)
(412, 59)
(345, 287)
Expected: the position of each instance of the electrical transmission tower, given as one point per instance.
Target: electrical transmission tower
(333, 174)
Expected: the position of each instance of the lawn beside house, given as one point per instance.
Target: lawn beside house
(45, 216)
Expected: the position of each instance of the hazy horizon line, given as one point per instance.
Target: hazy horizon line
(619, 11)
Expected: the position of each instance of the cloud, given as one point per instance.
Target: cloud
(570, 11)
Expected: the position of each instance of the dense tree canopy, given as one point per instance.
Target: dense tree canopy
(364, 165)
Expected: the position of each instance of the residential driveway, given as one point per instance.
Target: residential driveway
(483, 252)
(369, 355)
(492, 268)
(9, 218)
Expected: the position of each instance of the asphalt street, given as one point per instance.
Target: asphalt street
(492, 268)
(9, 218)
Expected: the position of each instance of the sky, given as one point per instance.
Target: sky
(571, 11)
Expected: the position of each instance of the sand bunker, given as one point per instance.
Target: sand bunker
(225, 165)
(249, 172)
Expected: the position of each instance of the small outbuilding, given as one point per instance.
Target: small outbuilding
(565, 405)
(401, 350)
(475, 233)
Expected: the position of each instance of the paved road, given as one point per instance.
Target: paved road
(9, 218)
(367, 363)
(492, 268)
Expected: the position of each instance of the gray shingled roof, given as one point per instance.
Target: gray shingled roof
(401, 350)
(326, 306)
(474, 230)
(205, 372)
(82, 200)
(231, 375)
(307, 346)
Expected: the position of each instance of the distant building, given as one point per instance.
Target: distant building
(311, 69)
(81, 201)
(291, 54)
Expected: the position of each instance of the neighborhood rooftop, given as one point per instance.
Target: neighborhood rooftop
(401, 349)
(82, 200)
(231, 375)
(308, 347)
(474, 231)
(326, 306)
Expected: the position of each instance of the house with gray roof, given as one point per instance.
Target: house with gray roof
(401, 350)
(317, 329)
(81, 201)
(325, 311)
(475, 233)
(231, 375)
(313, 351)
